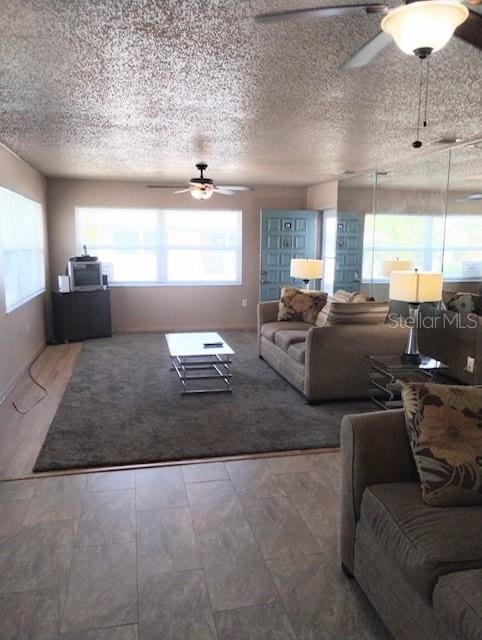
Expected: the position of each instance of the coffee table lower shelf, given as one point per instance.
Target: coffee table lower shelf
(195, 372)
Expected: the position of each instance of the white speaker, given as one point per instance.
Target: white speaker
(64, 284)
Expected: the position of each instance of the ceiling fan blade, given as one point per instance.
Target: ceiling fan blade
(223, 191)
(471, 198)
(368, 51)
(471, 30)
(320, 12)
(223, 186)
(182, 190)
(165, 186)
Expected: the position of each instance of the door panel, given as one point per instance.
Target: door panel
(285, 234)
(349, 251)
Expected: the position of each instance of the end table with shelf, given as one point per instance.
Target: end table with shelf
(389, 374)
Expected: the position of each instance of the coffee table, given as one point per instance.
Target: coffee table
(202, 361)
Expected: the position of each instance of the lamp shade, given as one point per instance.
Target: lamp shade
(416, 286)
(396, 265)
(426, 24)
(305, 269)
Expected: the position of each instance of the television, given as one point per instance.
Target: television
(85, 275)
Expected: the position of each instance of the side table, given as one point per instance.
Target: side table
(389, 374)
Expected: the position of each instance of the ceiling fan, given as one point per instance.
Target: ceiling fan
(202, 188)
(418, 27)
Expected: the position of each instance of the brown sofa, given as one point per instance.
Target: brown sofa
(324, 363)
(420, 566)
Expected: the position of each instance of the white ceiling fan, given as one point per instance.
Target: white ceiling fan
(202, 188)
(418, 27)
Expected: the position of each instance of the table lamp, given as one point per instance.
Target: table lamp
(306, 270)
(415, 287)
(396, 265)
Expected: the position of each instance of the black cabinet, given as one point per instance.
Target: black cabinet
(81, 315)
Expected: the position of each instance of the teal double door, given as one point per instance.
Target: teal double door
(286, 234)
(349, 251)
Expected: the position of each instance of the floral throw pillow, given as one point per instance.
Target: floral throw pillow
(444, 424)
(466, 303)
(300, 306)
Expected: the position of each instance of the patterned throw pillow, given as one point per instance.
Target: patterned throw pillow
(466, 303)
(444, 425)
(300, 306)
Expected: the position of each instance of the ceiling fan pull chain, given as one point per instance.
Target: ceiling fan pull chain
(418, 143)
(426, 92)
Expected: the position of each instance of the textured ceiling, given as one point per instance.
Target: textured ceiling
(145, 88)
(458, 168)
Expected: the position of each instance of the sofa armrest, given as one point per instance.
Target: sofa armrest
(374, 449)
(337, 358)
(267, 312)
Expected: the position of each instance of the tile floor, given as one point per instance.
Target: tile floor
(237, 550)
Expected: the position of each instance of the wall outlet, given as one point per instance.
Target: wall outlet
(27, 328)
(244, 302)
(470, 364)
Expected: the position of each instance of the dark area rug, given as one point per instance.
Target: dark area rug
(123, 406)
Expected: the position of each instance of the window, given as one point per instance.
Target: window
(163, 246)
(420, 238)
(22, 248)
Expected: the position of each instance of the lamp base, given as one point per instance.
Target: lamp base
(411, 358)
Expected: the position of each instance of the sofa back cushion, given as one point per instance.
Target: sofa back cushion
(444, 425)
(334, 313)
(300, 306)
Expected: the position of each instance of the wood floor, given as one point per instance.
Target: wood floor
(21, 436)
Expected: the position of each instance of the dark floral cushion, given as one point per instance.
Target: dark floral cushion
(300, 306)
(444, 424)
(466, 303)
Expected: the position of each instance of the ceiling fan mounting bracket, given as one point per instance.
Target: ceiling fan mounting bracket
(201, 181)
(423, 52)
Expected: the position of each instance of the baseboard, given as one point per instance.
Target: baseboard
(15, 379)
(164, 329)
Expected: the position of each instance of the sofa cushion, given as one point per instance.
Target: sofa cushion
(444, 424)
(284, 339)
(297, 351)
(270, 329)
(335, 313)
(300, 306)
(425, 542)
(457, 599)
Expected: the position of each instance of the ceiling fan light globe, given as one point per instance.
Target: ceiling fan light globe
(424, 24)
(201, 193)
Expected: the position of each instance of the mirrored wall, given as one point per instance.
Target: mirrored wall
(427, 211)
